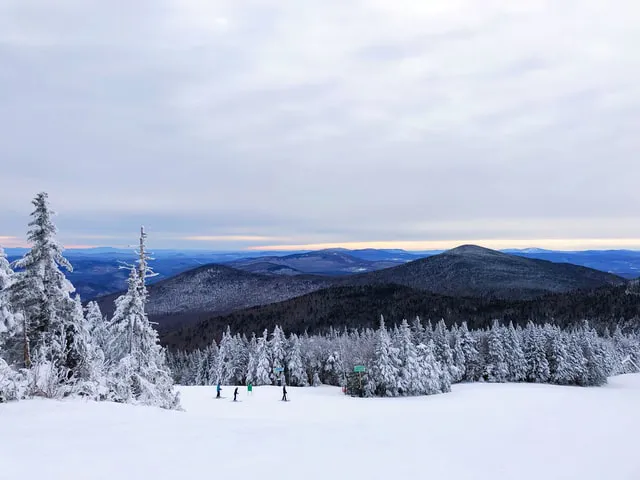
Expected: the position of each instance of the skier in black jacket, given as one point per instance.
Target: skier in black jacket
(235, 394)
(284, 393)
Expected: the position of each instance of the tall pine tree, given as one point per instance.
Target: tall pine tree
(141, 373)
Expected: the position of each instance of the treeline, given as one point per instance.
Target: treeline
(414, 359)
(361, 306)
(50, 346)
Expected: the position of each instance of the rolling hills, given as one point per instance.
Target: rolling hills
(330, 262)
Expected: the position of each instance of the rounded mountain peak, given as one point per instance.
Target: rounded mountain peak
(472, 250)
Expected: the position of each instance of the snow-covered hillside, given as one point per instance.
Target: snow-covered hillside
(479, 432)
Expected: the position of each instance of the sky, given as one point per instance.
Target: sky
(275, 124)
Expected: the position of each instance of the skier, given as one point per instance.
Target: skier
(218, 390)
(284, 393)
(235, 394)
(249, 389)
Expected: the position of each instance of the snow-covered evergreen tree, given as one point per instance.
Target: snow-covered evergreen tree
(383, 377)
(12, 382)
(459, 358)
(560, 370)
(9, 322)
(443, 351)
(263, 361)
(410, 371)
(496, 367)
(432, 379)
(473, 362)
(278, 353)
(98, 327)
(140, 371)
(516, 361)
(225, 356)
(252, 359)
(41, 292)
(535, 354)
(595, 355)
(295, 369)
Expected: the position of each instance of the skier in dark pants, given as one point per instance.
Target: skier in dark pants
(218, 390)
(284, 393)
(235, 394)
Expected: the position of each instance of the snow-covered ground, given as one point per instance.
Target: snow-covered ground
(479, 432)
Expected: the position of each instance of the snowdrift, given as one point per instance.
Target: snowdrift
(478, 431)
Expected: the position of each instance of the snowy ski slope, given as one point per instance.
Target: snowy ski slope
(477, 432)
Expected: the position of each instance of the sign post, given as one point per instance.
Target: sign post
(359, 369)
(279, 370)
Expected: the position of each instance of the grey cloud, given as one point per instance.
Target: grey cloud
(330, 123)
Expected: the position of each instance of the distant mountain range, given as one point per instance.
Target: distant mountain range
(324, 262)
(97, 271)
(197, 295)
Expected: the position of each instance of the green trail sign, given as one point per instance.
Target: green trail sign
(359, 369)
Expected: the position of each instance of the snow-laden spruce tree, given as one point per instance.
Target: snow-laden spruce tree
(516, 360)
(597, 364)
(410, 369)
(295, 369)
(417, 330)
(207, 366)
(277, 348)
(9, 326)
(252, 359)
(41, 293)
(263, 361)
(535, 354)
(98, 326)
(473, 367)
(225, 355)
(459, 359)
(496, 369)
(140, 373)
(560, 370)
(86, 359)
(432, 379)
(54, 327)
(12, 381)
(384, 374)
(443, 351)
(240, 361)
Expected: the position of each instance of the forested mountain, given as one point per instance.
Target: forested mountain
(361, 306)
(474, 271)
(216, 289)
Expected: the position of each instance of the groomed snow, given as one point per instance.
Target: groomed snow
(478, 432)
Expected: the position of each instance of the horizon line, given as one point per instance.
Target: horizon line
(577, 244)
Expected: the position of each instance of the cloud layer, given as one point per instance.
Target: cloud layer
(227, 124)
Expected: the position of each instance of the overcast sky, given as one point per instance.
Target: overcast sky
(244, 123)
